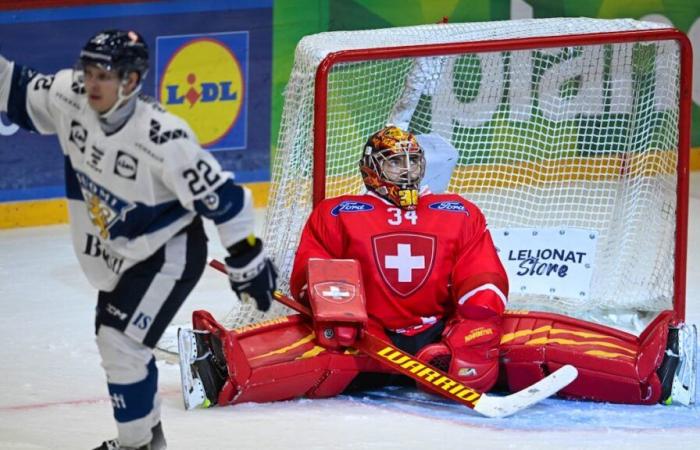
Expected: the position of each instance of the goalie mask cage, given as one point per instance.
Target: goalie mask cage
(579, 123)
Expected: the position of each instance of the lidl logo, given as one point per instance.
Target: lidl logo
(202, 78)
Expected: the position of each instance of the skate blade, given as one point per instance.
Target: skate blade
(683, 390)
(193, 393)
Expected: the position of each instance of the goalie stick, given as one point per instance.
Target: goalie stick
(438, 381)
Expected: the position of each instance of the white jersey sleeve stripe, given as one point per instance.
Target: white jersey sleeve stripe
(484, 287)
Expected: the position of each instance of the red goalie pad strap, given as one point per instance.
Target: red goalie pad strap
(337, 301)
(614, 366)
(279, 360)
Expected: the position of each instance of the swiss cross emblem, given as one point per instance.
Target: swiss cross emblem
(335, 291)
(404, 260)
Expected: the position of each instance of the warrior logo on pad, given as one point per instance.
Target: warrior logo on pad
(404, 260)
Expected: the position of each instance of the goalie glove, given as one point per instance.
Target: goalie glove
(251, 273)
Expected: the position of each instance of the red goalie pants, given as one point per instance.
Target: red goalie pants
(280, 359)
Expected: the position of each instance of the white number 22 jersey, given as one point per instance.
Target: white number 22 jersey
(131, 191)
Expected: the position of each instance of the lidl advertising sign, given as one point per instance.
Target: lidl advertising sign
(203, 79)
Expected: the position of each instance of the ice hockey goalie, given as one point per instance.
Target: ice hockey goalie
(421, 270)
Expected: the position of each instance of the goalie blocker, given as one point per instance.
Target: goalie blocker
(291, 357)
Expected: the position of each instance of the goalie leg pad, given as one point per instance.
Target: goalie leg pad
(279, 360)
(613, 366)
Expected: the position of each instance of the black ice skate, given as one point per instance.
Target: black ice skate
(202, 368)
(157, 442)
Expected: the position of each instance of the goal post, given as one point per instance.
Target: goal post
(572, 136)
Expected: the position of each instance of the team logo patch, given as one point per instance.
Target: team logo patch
(335, 291)
(451, 205)
(104, 208)
(125, 165)
(349, 206)
(202, 79)
(404, 259)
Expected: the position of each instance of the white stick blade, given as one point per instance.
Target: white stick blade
(510, 404)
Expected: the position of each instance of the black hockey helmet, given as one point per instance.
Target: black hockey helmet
(118, 50)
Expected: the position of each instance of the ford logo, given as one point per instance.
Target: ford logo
(351, 206)
(453, 206)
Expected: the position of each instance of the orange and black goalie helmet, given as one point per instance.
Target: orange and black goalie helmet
(393, 165)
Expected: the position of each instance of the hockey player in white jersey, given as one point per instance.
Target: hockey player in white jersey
(137, 183)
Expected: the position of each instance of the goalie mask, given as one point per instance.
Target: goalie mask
(393, 166)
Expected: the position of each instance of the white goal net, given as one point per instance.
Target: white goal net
(571, 129)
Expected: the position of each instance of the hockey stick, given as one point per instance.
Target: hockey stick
(438, 381)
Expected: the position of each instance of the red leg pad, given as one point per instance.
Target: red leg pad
(280, 360)
(614, 366)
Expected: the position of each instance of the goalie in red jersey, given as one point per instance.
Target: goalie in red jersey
(433, 283)
(420, 270)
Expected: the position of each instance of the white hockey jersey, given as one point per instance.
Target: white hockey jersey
(131, 191)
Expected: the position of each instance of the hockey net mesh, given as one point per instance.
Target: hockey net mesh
(579, 136)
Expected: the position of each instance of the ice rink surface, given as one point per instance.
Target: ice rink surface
(54, 395)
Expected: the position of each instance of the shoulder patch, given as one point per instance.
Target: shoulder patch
(158, 137)
(449, 205)
(348, 206)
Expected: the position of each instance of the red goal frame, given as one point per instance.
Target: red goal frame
(669, 34)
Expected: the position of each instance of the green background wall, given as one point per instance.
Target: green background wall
(292, 19)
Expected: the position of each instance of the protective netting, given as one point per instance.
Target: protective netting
(582, 136)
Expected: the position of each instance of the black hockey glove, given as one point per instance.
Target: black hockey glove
(251, 273)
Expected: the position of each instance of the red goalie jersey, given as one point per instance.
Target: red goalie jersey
(417, 266)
